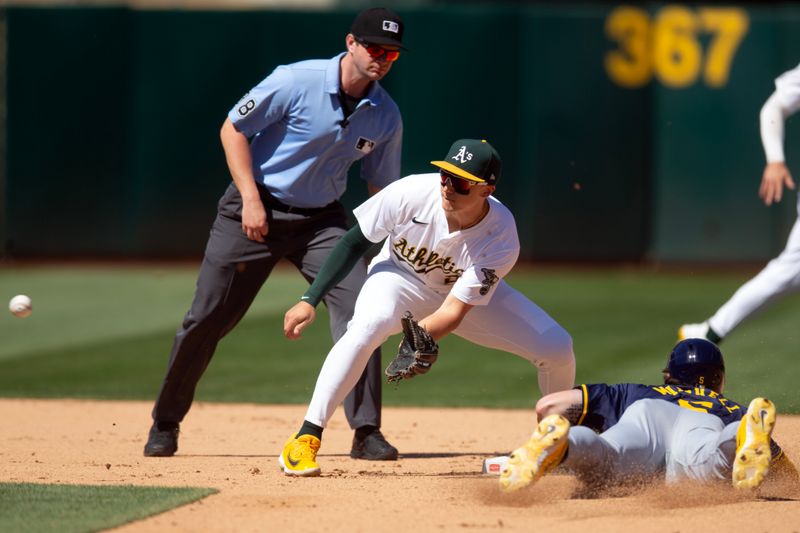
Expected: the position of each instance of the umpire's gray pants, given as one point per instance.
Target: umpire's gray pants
(654, 437)
(234, 269)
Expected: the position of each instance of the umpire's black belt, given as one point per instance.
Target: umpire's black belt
(276, 205)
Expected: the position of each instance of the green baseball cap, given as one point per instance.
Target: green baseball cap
(473, 160)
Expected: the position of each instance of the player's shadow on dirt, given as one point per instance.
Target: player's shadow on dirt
(226, 455)
(777, 499)
(426, 455)
(420, 455)
(437, 455)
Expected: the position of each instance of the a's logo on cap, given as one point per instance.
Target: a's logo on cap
(392, 26)
(462, 156)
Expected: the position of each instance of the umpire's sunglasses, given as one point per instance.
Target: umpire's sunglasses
(376, 52)
(460, 185)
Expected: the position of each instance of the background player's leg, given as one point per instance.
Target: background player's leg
(513, 323)
(780, 277)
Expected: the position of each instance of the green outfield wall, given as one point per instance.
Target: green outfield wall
(627, 133)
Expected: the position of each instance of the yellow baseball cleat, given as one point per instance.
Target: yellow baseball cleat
(753, 453)
(299, 456)
(543, 452)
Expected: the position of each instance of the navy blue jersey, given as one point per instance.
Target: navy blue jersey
(603, 404)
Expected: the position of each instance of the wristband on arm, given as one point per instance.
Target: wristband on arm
(338, 264)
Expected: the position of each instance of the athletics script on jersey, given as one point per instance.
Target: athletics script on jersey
(424, 261)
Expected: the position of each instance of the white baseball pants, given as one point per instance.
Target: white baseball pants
(781, 276)
(510, 322)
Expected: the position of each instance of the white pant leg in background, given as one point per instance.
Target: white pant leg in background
(383, 299)
(512, 323)
(780, 277)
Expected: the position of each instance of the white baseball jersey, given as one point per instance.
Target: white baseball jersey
(466, 263)
(420, 264)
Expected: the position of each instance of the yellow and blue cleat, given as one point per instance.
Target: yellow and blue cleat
(753, 453)
(544, 451)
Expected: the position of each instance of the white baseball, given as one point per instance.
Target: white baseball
(21, 306)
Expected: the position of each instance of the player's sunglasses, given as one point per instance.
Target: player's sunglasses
(460, 185)
(376, 52)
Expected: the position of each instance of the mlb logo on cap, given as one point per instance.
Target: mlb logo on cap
(379, 25)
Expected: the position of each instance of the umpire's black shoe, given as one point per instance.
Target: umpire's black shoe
(370, 444)
(163, 440)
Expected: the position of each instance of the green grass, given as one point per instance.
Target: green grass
(77, 508)
(106, 333)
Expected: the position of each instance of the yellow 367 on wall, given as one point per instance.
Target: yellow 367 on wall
(669, 45)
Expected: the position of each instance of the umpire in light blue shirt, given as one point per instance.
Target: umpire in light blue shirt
(289, 143)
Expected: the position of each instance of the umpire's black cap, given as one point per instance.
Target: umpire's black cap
(379, 25)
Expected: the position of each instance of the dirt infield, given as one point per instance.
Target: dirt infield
(436, 484)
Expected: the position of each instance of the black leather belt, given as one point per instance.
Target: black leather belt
(276, 205)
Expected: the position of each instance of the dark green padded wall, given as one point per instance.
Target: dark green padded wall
(114, 116)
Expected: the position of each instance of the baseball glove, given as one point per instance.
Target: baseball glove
(417, 352)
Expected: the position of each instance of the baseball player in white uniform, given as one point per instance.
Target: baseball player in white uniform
(448, 244)
(781, 275)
